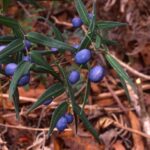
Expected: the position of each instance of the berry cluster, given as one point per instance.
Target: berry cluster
(64, 121)
(95, 74)
(77, 22)
(12, 67)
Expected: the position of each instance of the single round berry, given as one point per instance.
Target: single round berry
(24, 80)
(76, 22)
(69, 118)
(83, 56)
(61, 124)
(10, 69)
(27, 45)
(53, 49)
(76, 46)
(47, 102)
(96, 73)
(90, 15)
(74, 77)
(2, 47)
(26, 58)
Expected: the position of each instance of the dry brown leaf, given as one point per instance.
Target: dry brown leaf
(135, 124)
(118, 146)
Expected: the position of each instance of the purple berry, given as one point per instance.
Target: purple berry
(2, 47)
(53, 49)
(24, 80)
(83, 56)
(74, 77)
(47, 102)
(27, 45)
(26, 58)
(76, 22)
(61, 124)
(69, 118)
(10, 69)
(90, 15)
(76, 46)
(96, 74)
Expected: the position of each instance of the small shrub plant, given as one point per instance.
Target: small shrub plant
(18, 59)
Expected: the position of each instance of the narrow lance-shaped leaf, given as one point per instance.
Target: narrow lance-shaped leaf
(88, 38)
(82, 11)
(85, 121)
(69, 88)
(16, 102)
(69, 92)
(98, 41)
(107, 25)
(87, 91)
(52, 92)
(13, 47)
(59, 111)
(6, 4)
(47, 41)
(14, 25)
(6, 39)
(38, 59)
(123, 82)
(56, 31)
(34, 3)
(120, 70)
(22, 69)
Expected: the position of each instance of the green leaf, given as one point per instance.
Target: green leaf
(13, 47)
(107, 25)
(85, 121)
(39, 69)
(69, 87)
(6, 4)
(47, 41)
(22, 69)
(11, 23)
(16, 102)
(38, 59)
(88, 38)
(34, 3)
(108, 42)
(98, 41)
(56, 31)
(87, 91)
(117, 67)
(59, 112)
(125, 88)
(52, 92)
(6, 39)
(82, 11)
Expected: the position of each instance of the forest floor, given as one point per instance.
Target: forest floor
(121, 125)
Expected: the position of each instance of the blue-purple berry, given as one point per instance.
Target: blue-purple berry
(76, 46)
(83, 56)
(53, 49)
(10, 69)
(24, 80)
(96, 73)
(27, 45)
(26, 58)
(90, 15)
(74, 77)
(2, 47)
(47, 102)
(76, 22)
(61, 124)
(69, 118)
